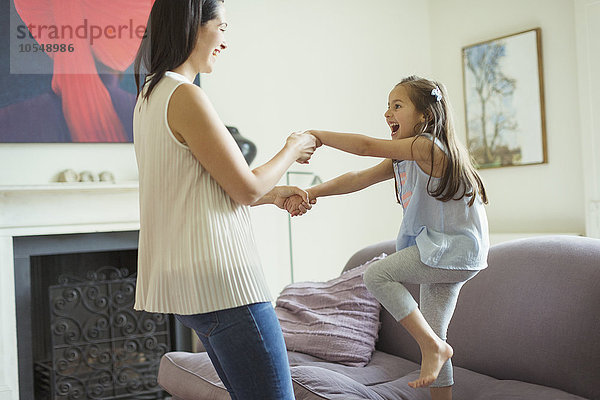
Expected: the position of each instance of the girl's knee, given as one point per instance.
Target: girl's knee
(373, 277)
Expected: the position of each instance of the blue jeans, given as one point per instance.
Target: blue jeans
(246, 347)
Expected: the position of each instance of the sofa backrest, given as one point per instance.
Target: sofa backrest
(533, 315)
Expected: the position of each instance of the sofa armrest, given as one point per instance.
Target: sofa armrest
(366, 254)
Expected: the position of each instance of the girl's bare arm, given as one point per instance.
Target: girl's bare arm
(418, 149)
(353, 181)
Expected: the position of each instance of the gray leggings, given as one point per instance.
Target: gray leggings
(439, 293)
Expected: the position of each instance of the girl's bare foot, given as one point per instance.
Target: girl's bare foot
(433, 356)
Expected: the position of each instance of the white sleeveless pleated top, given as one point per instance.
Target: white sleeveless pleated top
(197, 251)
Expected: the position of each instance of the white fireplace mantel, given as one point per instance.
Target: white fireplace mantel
(51, 209)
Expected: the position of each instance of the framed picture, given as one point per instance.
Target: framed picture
(67, 73)
(504, 100)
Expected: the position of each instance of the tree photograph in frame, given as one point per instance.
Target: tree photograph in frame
(504, 100)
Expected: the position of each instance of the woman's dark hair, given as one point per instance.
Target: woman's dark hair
(170, 37)
(459, 178)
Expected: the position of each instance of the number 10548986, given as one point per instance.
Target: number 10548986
(46, 48)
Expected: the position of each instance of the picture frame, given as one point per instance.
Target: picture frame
(504, 100)
(62, 81)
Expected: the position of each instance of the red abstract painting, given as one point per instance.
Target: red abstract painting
(91, 45)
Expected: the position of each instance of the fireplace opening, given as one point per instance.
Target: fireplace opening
(78, 335)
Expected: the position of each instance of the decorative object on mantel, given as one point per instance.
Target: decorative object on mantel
(504, 100)
(87, 176)
(246, 146)
(68, 175)
(107, 176)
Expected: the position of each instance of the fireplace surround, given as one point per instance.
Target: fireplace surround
(75, 323)
(95, 224)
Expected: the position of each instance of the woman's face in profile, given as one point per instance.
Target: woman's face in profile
(211, 41)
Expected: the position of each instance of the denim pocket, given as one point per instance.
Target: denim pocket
(202, 324)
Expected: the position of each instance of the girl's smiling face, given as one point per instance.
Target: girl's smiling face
(401, 115)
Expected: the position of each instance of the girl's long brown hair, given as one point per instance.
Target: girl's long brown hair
(459, 178)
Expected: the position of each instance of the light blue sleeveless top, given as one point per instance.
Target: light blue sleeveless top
(449, 235)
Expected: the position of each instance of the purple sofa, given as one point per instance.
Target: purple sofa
(526, 328)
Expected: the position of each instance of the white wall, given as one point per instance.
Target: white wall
(294, 65)
(291, 65)
(39, 164)
(541, 198)
(587, 22)
(319, 64)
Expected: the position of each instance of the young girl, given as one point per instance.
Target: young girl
(443, 239)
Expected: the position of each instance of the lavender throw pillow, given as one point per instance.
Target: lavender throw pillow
(337, 320)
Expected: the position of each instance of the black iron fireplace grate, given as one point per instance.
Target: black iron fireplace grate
(101, 347)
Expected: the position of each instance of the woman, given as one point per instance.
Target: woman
(197, 255)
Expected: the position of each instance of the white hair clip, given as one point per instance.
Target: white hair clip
(437, 93)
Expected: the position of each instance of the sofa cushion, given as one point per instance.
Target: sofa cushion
(318, 379)
(190, 376)
(327, 384)
(382, 368)
(337, 320)
(475, 386)
(516, 390)
(313, 382)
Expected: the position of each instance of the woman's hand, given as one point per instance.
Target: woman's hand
(296, 205)
(315, 133)
(305, 143)
(281, 195)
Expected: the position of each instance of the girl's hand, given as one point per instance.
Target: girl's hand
(305, 144)
(296, 206)
(292, 205)
(319, 143)
(283, 194)
(312, 198)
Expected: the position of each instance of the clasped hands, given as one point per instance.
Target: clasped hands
(291, 198)
(305, 143)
